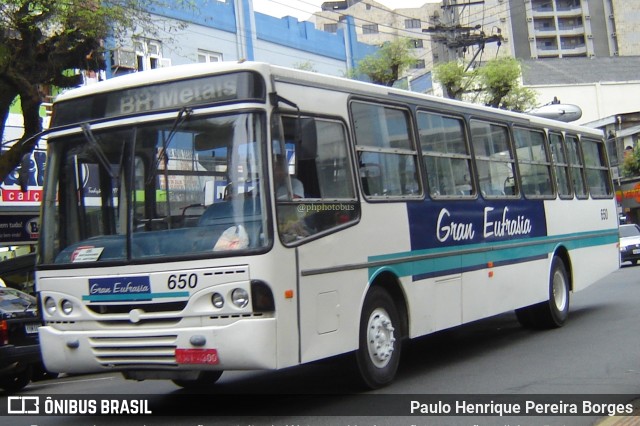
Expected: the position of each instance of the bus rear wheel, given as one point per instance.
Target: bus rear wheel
(378, 354)
(554, 312)
(204, 380)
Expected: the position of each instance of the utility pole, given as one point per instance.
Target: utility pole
(455, 38)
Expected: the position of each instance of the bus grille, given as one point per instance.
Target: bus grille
(147, 307)
(120, 351)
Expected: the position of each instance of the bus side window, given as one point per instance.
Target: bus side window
(446, 155)
(533, 160)
(494, 159)
(576, 166)
(596, 168)
(561, 164)
(387, 156)
(319, 160)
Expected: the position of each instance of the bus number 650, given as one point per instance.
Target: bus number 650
(181, 281)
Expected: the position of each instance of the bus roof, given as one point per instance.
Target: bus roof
(179, 72)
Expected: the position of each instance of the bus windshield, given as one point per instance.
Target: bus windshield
(182, 187)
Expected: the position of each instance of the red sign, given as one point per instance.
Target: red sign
(16, 195)
(197, 356)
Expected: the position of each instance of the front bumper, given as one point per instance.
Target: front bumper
(629, 256)
(243, 345)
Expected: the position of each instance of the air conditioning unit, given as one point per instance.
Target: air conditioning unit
(614, 35)
(589, 35)
(124, 59)
(531, 38)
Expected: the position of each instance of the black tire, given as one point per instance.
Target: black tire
(554, 312)
(379, 350)
(204, 380)
(41, 373)
(16, 381)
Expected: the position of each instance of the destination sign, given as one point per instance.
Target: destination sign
(239, 86)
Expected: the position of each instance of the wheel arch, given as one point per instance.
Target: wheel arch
(563, 254)
(390, 282)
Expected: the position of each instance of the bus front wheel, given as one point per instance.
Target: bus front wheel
(204, 380)
(379, 349)
(554, 312)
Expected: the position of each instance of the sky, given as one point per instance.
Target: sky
(302, 9)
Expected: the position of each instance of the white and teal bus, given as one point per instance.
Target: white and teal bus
(241, 216)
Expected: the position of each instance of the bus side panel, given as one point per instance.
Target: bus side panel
(434, 303)
(498, 289)
(590, 235)
(331, 300)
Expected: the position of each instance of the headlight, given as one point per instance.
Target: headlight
(66, 306)
(240, 297)
(217, 300)
(50, 305)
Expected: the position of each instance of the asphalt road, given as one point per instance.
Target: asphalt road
(594, 359)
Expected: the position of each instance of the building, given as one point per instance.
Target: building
(230, 30)
(376, 24)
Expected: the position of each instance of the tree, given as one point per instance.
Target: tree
(41, 40)
(387, 64)
(499, 79)
(495, 83)
(454, 78)
(631, 163)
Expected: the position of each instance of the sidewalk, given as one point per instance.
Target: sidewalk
(632, 419)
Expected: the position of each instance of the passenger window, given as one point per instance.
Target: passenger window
(576, 166)
(387, 156)
(445, 155)
(533, 161)
(313, 178)
(596, 169)
(494, 159)
(561, 164)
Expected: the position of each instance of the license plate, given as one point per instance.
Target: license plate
(197, 356)
(31, 328)
(636, 251)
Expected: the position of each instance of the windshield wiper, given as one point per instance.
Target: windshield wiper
(93, 143)
(183, 115)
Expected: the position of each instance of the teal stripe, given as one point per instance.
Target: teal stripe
(138, 296)
(440, 261)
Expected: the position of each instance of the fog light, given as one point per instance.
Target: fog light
(240, 297)
(66, 306)
(50, 305)
(217, 300)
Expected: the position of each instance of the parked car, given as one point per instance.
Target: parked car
(19, 346)
(629, 243)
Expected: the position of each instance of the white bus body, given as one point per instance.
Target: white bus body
(413, 221)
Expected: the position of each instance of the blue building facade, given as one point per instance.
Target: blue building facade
(217, 30)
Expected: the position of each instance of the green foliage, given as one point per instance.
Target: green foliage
(499, 79)
(631, 163)
(387, 64)
(454, 78)
(305, 66)
(496, 83)
(519, 99)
